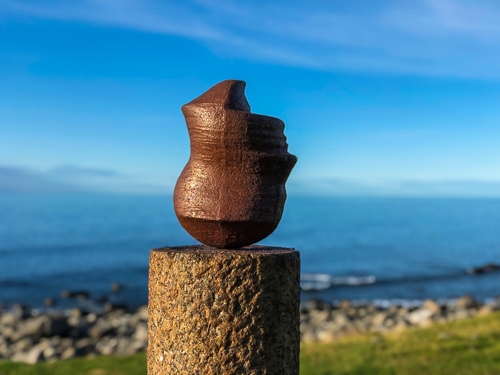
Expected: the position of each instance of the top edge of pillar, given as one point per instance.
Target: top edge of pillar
(207, 250)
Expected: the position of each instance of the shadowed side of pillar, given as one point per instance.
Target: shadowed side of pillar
(224, 312)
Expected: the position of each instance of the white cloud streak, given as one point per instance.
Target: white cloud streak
(432, 37)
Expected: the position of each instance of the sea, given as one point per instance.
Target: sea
(385, 251)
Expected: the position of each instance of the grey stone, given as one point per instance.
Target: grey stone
(63, 344)
(341, 318)
(100, 329)
(460, 314)
(8, 332)
(379, 319)
(33, 327)
(141, 332)
(76, 313)
(432, 305)
(23, 345)
(362, 312)
(420, 317)
(142, 313)
(31, 357)
(485, 310)
(91, 318)
(50, 352)
(466, 302)
(107, 347)
(345, 305)
(124, 346)
(9, 319)
(68, 353)
(319, 316)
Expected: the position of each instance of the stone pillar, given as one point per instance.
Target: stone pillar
(224, 312)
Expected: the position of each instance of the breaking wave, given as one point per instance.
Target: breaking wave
(319, 281)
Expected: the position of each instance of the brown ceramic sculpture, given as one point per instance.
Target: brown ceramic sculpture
(232, 192)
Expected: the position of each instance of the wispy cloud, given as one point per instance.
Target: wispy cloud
(432, 37)
(67, 179)
(73, 171)
(22, 180)
(397, 188)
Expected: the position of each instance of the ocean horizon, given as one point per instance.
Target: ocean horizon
(381, 249)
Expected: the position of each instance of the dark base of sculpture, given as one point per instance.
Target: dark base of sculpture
(232, 234)
(224, 312)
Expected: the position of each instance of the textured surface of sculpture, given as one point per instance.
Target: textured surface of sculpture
(232, 192)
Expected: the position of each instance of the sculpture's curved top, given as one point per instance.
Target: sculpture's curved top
(232, 192)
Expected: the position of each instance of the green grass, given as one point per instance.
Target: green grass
(465, 347)
(131, 365)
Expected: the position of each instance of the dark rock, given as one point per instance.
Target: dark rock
(80, 294)
(56, 326)
(84, 347)
(116, 287)
(79, 328)
(101, 299)
(490, 267)
(21, 310)
(316, 304)
(115, 307)
(49, 302)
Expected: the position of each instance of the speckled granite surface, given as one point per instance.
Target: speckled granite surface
(223, 312)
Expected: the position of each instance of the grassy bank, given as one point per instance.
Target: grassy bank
(469, 346)
(463, 347)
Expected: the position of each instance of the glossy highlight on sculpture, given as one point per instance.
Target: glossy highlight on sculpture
(232, 191)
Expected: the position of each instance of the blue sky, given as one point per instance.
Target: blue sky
(378, 97)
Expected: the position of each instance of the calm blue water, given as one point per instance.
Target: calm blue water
(354, 248)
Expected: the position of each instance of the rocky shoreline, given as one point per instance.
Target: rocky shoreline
(320, 321)
(34, 335)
